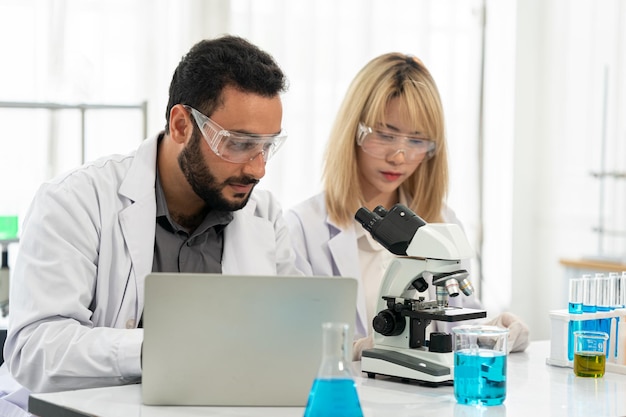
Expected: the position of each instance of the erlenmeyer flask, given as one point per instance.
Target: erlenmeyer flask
(334, 391)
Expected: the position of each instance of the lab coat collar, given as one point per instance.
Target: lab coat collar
(137, 220)
(137, 185)
(343, 248)
(344, 251)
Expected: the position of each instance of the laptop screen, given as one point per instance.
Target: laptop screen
(225, 340)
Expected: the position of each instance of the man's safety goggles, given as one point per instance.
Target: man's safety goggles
(234, 146)
(382, 144)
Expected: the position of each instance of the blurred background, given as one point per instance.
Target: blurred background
(534, 94)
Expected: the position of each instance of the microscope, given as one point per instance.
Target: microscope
(427, 254)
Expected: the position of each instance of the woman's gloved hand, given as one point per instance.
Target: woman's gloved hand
(518, 331)
(359, 345)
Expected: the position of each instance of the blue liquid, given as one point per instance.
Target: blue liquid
(589, 308)
(574, 325)
(616, 336)
(480, 378)
(604, 325)
(589, 324)
(575, 308)
(333, 397)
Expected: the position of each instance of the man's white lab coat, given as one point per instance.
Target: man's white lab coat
(86, 247)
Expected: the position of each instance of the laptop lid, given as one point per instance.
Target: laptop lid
(225, 340)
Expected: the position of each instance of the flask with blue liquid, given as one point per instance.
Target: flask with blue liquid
(334, 392)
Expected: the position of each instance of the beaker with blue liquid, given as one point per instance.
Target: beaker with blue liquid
(334, 391)
(480, 358)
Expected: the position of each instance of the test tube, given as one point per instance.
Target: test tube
(575, 306)
(604, 296)
(589, 294)
(575, 295)
(604, 300)
(622, 290)
(589, 300)
(618, 287)
(616, 300)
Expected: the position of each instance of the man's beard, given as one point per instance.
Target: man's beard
(204, 183)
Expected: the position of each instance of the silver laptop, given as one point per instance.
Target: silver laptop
(225, 340)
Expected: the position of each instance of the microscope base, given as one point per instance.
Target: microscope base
(412, 364)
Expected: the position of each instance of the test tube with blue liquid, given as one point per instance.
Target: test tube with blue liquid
(617, 302)
(604, 302)
(589, 300)
(575, 306)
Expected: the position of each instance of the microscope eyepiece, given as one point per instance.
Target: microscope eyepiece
(394, 229)
(381, 211)
(367, 218)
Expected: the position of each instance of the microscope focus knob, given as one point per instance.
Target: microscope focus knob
(389, 323)
(440, 342)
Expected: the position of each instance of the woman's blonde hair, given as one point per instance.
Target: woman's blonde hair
(384, 78)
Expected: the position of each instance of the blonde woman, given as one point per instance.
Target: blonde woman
(387, 146)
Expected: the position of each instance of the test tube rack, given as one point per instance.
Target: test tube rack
(560, 319)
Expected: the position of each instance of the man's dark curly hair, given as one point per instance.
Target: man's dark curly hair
(211, 65)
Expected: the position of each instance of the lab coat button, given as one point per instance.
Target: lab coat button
(130, 324)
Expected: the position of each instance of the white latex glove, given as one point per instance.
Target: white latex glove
(518, 331)
(360, 345)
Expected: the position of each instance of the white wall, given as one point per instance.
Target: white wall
(543, 109)
(497, 157)
(562, 50)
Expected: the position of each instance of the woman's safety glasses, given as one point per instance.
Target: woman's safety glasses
(233, 146)
(382, 144)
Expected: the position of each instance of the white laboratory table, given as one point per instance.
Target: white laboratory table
(533, 389)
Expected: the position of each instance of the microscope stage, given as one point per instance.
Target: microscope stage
(451, 314)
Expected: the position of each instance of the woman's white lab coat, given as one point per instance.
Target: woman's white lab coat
(87, 244)
(324, 248)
